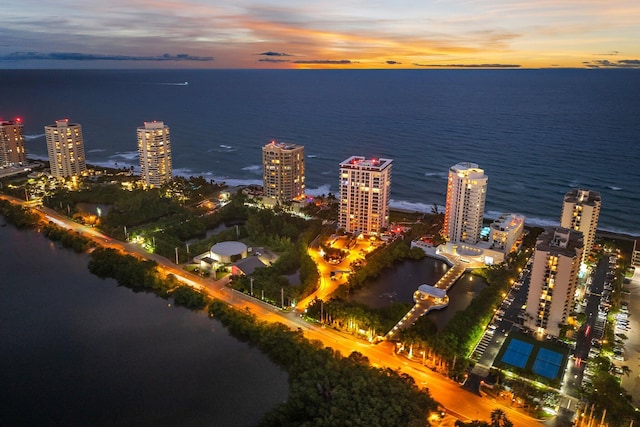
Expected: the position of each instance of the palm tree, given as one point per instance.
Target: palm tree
(625, 370)
(499, 419)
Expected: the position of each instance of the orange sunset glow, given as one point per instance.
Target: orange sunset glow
(330, 34)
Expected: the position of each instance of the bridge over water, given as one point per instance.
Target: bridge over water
(428, 298)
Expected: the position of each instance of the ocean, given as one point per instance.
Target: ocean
(536, 133)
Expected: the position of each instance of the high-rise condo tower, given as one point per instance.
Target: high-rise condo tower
(364, 195)
(12, 143)
(66, 149)
(580, 211)
(464, 210)
(154, 148)
(283, 171)
(554, 278)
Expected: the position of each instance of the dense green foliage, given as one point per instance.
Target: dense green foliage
(290, 235)
(142, 275)
(127, 270)
(189, 297)
(606, 393)
(327, 389)
(17, 215)
(381, 258)
(69, 239)
(354, 317)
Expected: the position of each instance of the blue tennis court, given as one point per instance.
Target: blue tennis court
(517, 353)
(547, 363)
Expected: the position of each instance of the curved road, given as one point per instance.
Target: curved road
(458, 402)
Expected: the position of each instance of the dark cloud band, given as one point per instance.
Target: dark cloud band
(468, 65)
(73, 56)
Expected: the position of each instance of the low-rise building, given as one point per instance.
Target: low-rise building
(505, 231)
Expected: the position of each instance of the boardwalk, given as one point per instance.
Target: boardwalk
(425, 303)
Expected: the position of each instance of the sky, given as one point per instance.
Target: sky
(319, 34)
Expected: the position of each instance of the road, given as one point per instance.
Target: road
(458, 402)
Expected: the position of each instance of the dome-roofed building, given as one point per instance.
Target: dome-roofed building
(228, 252)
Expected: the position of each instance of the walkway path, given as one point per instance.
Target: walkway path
(423, 306)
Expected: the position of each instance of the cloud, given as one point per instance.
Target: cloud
(270, 53)
(273, 60)
(612, 53)
(325, 61)
(74, 56)
(391, 62)
(469, 65)
(605, 63)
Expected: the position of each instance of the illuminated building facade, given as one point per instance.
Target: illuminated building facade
(635, 255)
(283, 171)
(505, 232)
(364, 195)
(580, 211)
(66, 149)
(554, 278)
(154, 148)
(464, 210)
(12, 143)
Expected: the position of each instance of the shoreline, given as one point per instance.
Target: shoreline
(604, 234)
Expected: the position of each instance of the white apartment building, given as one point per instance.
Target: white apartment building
(505, 232)
(364, 195)
(464, 210)
(12, 143)
(154, 148)
(283, 171)
(66, 149)
(554, 278)
(580, 211)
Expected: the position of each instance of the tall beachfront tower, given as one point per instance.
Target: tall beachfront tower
(154, 148)
(464, 210)
(12, 143)
(283, 171)
(554, 278)
(364, 194)
(580, 211)
(66, 149)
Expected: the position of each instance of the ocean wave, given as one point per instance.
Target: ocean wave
(311, 156)
(611, 187)
(222, 148)
(323, 189)
(127, 155)
(231, 182)
(413, 206)
(30, 137)
(253, 168)
(438, 174)
(97, 150)
(114, 164)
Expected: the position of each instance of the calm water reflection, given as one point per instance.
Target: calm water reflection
(400, 282)
(78, 350)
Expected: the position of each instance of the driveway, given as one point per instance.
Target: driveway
(632, 345)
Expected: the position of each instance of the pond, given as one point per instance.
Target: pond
(212, 231)
(398, 284)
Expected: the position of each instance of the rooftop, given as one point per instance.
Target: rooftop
(362, 162)
(560, 241)
(281, 145)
